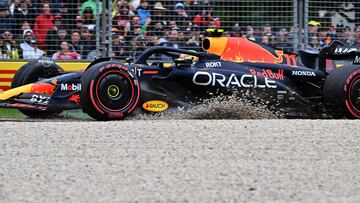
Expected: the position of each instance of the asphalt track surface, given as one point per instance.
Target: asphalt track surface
(180, 161)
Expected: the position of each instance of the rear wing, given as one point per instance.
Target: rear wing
(337, 50)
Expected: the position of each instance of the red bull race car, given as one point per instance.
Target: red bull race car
(162, 79)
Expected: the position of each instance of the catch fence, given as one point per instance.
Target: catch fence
(123, 28)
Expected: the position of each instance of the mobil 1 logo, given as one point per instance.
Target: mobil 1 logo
(357, 60)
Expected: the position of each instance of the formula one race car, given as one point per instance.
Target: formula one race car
(164, 78)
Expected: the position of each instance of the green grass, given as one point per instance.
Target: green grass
(10, 113)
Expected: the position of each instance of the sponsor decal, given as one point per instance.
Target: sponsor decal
(155, 106)
(46, 62)
(116, 115)
(70, 87)
(247, 81)
(357, 60)
(267, 73)
(115, 65)
(40, 99)
(213, 64)
(344, 50)
(303, 73)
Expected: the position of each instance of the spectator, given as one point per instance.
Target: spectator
(136, 21)
(313, 27)
(21, 14)
(158, 29)
(357, 34)
(267, 30)
(43, 23)
(9, 48)
(155, 40)
(116, 9)
(181, 16)
(193, 43)
(331, 34)
(89, 18)
(192, 7)
(54, 38)
(205, 19)
(272, 40)
(14, 5)
(24, 26)
(65, 54)
(265, 40)
(174, 38)
(119, 47)
(159, 14)
(123, 8)
(79, 23)
(173, 25)
(90, 5)
(283, 41)
(143, 11)
(68, 10)
(87, 41)
(74, 44)
(28, 46)
(6, 22)
(250, 33)
(349, 36)
(138, 46)
(122, 20)
(236, 30)
(314, 42)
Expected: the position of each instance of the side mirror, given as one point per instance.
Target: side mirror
(130, 60)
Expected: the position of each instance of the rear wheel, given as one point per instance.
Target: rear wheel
(110, 91)
(33, 72)
(342, 92)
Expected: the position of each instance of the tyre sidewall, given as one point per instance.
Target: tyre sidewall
(337, 90)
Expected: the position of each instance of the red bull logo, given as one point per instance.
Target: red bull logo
(267, 73)
(241, 50)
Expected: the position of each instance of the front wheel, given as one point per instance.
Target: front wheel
(342, 92)
(110, 91)
(33, 72)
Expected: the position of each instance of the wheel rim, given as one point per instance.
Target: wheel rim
(114, 91)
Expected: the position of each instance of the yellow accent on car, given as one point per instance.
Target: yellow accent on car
(15, 91)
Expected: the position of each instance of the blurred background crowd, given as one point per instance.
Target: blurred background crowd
(66, 29)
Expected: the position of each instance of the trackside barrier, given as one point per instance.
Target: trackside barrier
(8, 69)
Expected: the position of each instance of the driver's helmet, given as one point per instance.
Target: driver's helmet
(187, 56)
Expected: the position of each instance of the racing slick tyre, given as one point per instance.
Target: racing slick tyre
(341, 92)
(110, 91)
(33, 72)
